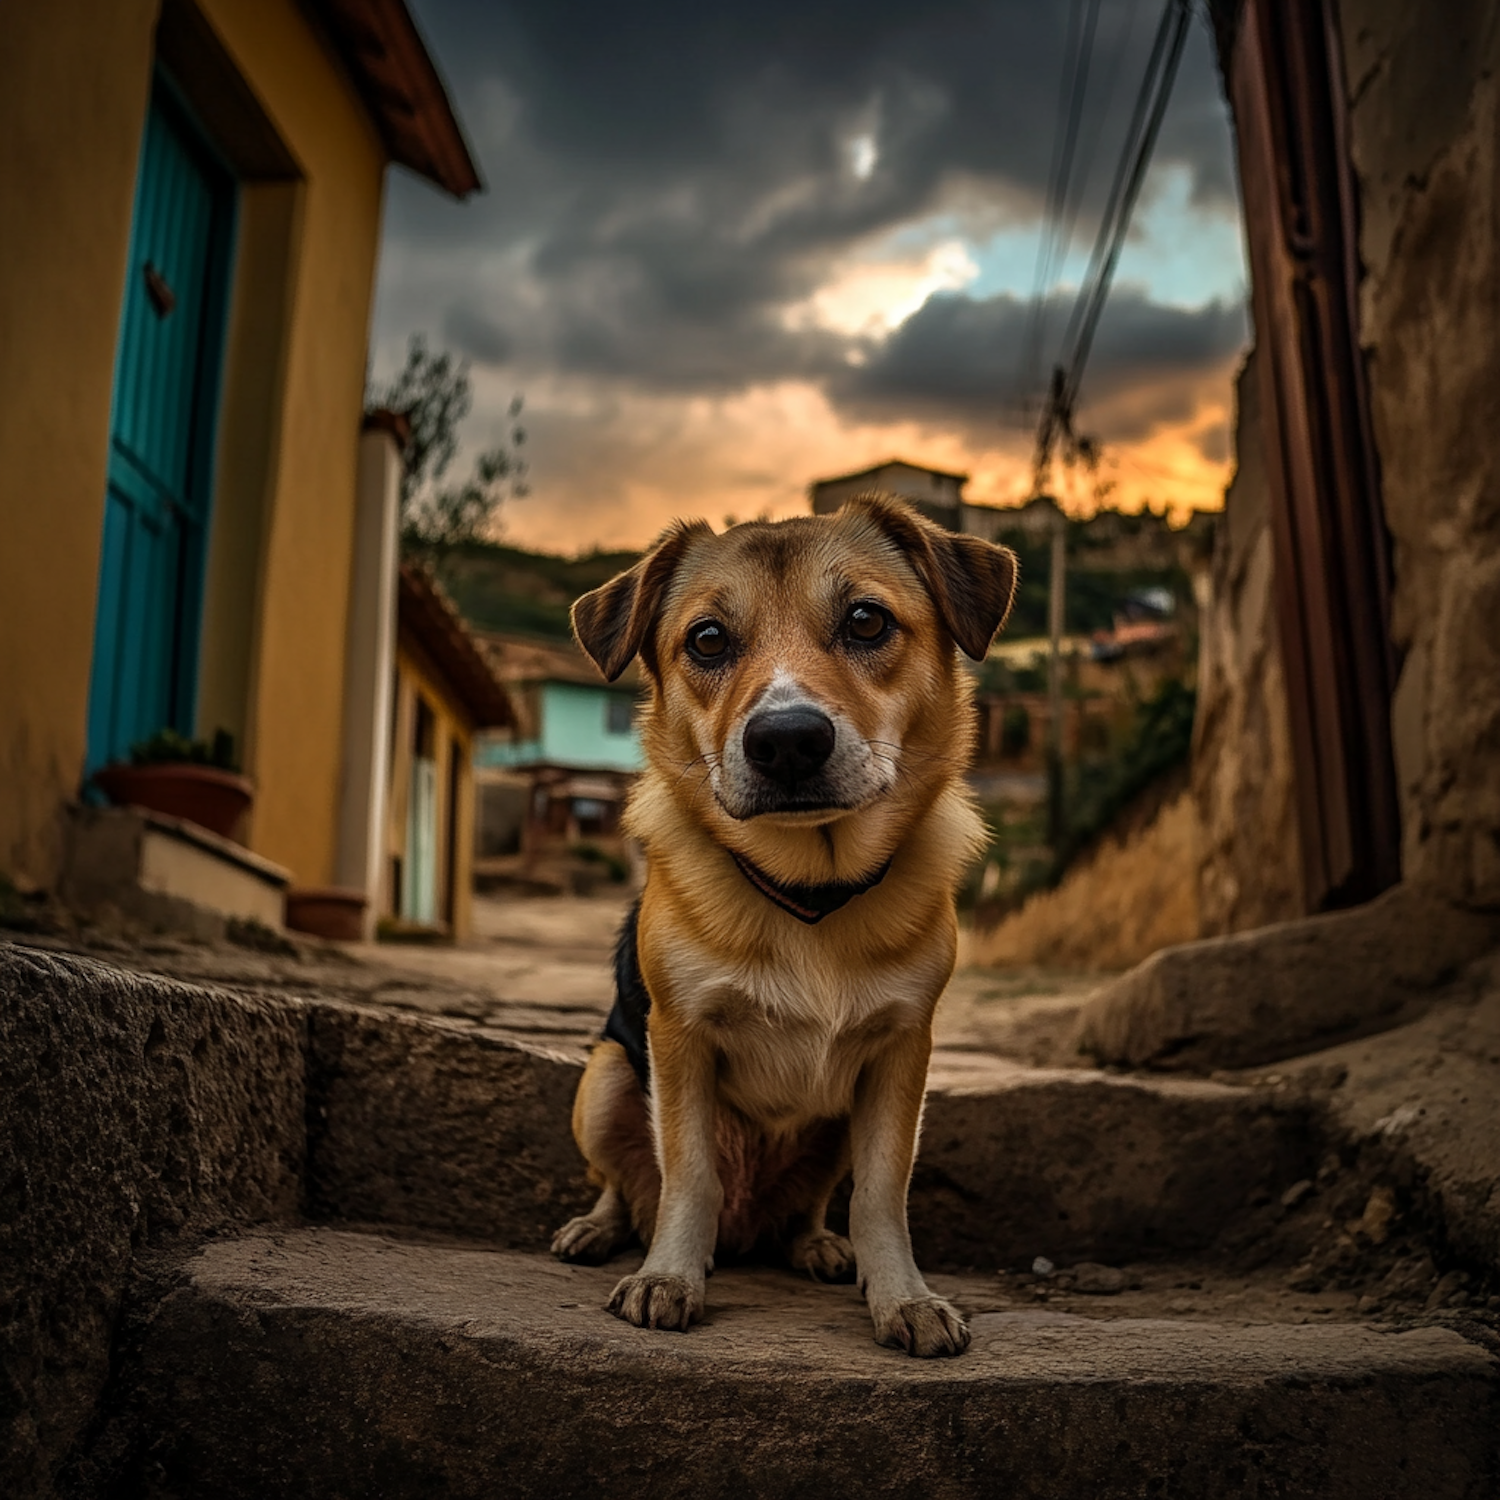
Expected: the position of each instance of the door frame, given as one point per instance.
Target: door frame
(167, 98)
(1331, 548)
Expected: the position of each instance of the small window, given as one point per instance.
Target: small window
(424, 730)
(619, 715)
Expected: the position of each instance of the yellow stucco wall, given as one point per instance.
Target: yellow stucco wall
(74, 82)
(294, 717)
(74, 86)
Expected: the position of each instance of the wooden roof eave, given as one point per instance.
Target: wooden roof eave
(402, 88)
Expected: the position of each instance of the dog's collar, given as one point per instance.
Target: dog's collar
(808, 903)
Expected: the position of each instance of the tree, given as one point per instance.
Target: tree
(433, 393)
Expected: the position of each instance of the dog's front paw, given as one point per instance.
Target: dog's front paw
(655, 1301)
(923, 1326)
(586, 1241)
(825, 1256)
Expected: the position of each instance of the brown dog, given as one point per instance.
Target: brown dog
(806, 826)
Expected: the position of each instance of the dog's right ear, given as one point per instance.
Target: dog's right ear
(614, 622)
(972, 582)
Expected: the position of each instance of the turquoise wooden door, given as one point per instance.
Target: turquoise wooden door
(161, 439)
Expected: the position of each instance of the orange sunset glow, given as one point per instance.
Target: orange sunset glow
(755, 453)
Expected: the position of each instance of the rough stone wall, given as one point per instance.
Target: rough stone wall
(130, 1109)
(1423, 121)
(1249, 871)
(138, 1114)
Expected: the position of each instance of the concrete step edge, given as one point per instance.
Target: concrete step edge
(316, 1362)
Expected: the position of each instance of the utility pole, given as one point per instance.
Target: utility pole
(1056, 596)
(1055, 427)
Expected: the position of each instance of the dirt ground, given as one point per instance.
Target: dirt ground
(546, 963)
(539, 969)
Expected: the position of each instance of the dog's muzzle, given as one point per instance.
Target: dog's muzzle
(788, 745)
(792, 757)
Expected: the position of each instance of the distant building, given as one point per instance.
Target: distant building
(446, 693)
(559, 777)
(937, 493)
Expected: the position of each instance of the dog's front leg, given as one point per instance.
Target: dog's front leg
(883, 1128)
(667, 1292)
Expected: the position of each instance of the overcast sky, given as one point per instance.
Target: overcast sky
(726, 249)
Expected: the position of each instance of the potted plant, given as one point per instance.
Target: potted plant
(198, 780)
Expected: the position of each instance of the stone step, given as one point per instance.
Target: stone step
(427, 1126)
(144, 1109)
(326, 1363)
(167, 872)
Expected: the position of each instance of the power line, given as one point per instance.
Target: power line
(1110, 218)
(1100, 291)
(1059, 247)
(1101, 114)
(1030, 338)
(1075, 142)
(1077, 50)
(1135, 157)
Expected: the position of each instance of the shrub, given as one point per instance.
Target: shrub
(169, 748)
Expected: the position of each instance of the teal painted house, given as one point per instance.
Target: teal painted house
(583, 726)
(560, 777)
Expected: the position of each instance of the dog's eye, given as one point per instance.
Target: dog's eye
(708, 641)
(867, 623)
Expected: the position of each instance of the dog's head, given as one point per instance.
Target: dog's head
(804, 670)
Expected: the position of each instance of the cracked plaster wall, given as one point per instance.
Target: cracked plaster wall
(1249, 865)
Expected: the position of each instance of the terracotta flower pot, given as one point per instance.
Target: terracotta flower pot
(211, 798)
(333, 912)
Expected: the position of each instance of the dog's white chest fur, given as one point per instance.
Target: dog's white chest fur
(792, 1030)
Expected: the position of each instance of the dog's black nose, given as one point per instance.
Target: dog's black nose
(788, 744)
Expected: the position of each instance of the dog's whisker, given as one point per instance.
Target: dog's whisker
(897, 769)
(904, 753)
(706, 759)
(708, 776)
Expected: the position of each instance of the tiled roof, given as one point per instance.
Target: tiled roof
(429, 615)
(523, 659)
(889, 463)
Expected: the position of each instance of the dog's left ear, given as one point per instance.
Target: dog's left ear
(972, 581)
(614, 622)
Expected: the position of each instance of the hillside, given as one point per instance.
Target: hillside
(513, 591)
(510, 590)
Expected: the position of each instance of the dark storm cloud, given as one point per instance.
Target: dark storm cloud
(475, 337)
(957, 354)
(681, 89)
(665, 180)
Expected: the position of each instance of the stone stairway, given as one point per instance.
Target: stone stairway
(320, 1363)
(290, 1247)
